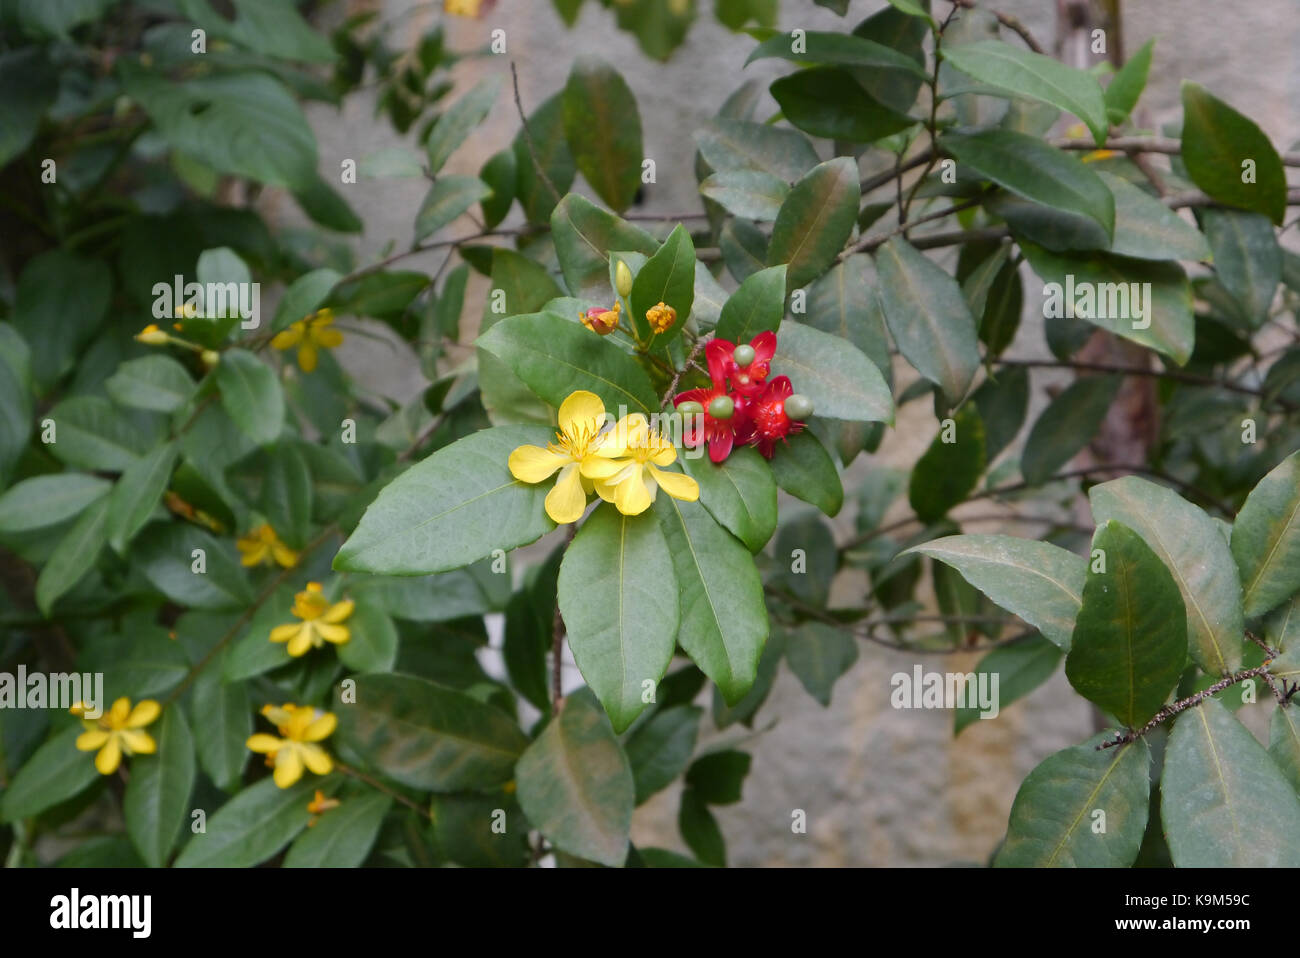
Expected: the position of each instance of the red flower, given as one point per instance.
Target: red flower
(767, 420)
(749, 379)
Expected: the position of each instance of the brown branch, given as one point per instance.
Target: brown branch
(380, 786)
(1169, 711)
(1010, 22)
(677, 375)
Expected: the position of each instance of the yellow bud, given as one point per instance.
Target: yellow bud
(623, 279)
(661, 317)
(151, 335)
(210, 357)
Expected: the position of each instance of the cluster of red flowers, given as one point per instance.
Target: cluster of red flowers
(740, 405)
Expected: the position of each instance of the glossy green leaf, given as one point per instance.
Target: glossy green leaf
(304, 296)
(44, 501)
(1126, 86)
(619, 607)
(548, 144)
(1147, 229)
(928, 317)
(575, 784)
(1066, 426)
(1218, 781)
(666, 277)
(660, 749)
(74, 556)
(1230, 157)
(55, 772)
(1266, 539)
(828, 102)
(802, 467)
(372, 645)
(757, 306)
(251, 395)
(157, 383)
(165, 554)
(740, 493)
(841, 382)
(137, 494)
(428, 736)
(815, 221)
(449, 198)
(1054, 815)
(1192, 547)
(1020, 667)
(501, 175)
(839, 49)
(460, 120)
(1040, 582)
(584, 236)
(251, 827)
(342, 837)
(1034, 76)
(1130, 637)
(451, 509)
(723, 619)
(157, 801)
(90, 434)
(843, 303)
(819, 654)
(949, 469)
(1247, 260)
(752, 194)
(227, 716)
(604, 130)
(729, 144)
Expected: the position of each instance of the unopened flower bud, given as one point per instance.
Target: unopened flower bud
(151, 335)
(210, 357)
(623, 279)
(600, 320)
(661, 317)
(690, 408)
(744, 355)
(798, 407)
(722, 407)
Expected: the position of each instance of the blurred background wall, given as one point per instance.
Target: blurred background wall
(879, 786)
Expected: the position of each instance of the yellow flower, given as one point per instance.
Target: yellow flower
(320, 622)
(661, 317)
(185, 311)
(628, 470)
(573, 453)
(310, 335)
(301, 727)
(118, 731)
(262, 545)
(151, 335)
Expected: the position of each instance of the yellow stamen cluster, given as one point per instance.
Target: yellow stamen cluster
(661, 317)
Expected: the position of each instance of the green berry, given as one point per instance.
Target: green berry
(722, 407)
(690, 408)
(798, 407)
(744, 355)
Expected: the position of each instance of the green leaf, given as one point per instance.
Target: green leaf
(1053, 816)
(1284, 743)
(603, 128)
(466, 827)
(729, 144)
(1130, 637)
(819, 654)
(841, 382)
(165, 555)
(137, 493)
(1033, 76)
(620, 610)
(44, 501)
(757, 306)
(459, 121)
(1191, 546)
(342, 837)
(386, 293)
(55, 772)
(227, 717)
(1282, 627)
(1040, 582)
(844, 304)
(1020, 667)
(717, 777)
(1147, 229)
(928, 317)
(828, 102)
(1247, 260)
(700, 830)
(1066, 426)
(501, 176)
(251, 827)
(90, 434)
(1028, 167)
(1103, 289)
(554, 356)
(157, 383)
(1000, 317)
(803, 468)
(667, 277)
(752, 194)
(1002, 404)
(575, 784)
(28, 85)
(74, 556)
(427, 736)
(451, 509)
(659, 749)
(1126, 86)
(15, 397)
(251, 395)
(739, 493)
(546, 127)
(305, 295)
(1223, 801)
(913, 9)
(1266, 539)
(372, 646)
(59, 304)
(839, 49)
(287, 494)
(275, 29)
(723, 615)
(584, 235)
(157, 801)
(246, 124)
(519, 286)
(948, 471)
(815, 221)
(449, 198)
(326, 206)
(1220, 148)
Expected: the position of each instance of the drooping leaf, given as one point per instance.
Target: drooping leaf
(659, 750)
(584, 236)
(802, 467)
(815, 221)
(949, 469)
(1066, 426)
(739, 492)
(157, 800)
(819, 654)
(1228, 155)
(459, 121)
(603, 128)
(1266, 539)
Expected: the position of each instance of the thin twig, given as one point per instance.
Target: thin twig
(677, 376)
(380, 786)
(1008, 21)
(528, 136)
(1169, 711)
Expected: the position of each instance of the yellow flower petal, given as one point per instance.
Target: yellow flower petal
(283, 633)
(631, 496)
(339, 611)
(119, 713)
(307, 356)
(144, 712)
(675, 484)
(91, 740)
(598, 467)
(288, 766)
(328, 338)
(109, 757)
(535, 464)
(289, 337)
(317, 759)
(338, 634)
(137, 742)
(581, 411)
(301, 642)
(320, 728)
(287, 557)
(567, 502)
(263, 743)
